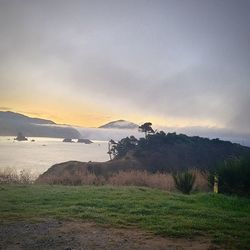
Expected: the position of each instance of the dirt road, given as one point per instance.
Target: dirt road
(69, 235)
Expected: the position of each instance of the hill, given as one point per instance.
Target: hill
(157, 153)
(71, 169)
(120, 124)
(8, 115)
(11, 123)
(170, 152)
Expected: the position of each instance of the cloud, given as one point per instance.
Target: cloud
(169, 59)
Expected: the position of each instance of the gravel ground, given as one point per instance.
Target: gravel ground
(69, 235)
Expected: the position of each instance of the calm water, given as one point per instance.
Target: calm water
(38, 156)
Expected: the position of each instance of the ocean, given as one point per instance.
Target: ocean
(41, 154)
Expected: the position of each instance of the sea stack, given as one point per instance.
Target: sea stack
(20, 137)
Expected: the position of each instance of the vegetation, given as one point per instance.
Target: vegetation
(146, 128)
(224, 219)
(124, 146)
(234, 176)
(123, 178)
(184, 181)
(11, 176)
(111, 149)
(171, 152)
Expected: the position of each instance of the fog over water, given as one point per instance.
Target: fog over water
(38, 156)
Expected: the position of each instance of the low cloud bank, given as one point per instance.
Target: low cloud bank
(117, 134)
(103, 134)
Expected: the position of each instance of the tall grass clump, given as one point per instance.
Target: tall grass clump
(184, 181)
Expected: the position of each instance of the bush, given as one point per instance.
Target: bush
(234, 176)
(184, 181)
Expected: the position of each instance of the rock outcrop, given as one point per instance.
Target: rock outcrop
(86, 141)
(67, 140)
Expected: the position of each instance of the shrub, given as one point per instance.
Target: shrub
(184, 181)
(234, 176)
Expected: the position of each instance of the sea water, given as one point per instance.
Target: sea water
(42, 153)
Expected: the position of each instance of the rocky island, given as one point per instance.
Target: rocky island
(67, 140)
(20, 137)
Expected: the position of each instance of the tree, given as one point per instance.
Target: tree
(146, 128)
(112, 149)
(125, 145)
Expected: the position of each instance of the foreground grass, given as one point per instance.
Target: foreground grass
(225, 219)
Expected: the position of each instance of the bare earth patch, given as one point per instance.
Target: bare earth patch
(71, 235)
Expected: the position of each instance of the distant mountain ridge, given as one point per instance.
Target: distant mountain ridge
(24, 118)
(120, 124)
(11, 123)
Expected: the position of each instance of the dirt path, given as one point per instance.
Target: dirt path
(69, 235)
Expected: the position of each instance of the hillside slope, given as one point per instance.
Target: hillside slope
(169, 152)
(158, 153)
(74, 168)
(11, 123)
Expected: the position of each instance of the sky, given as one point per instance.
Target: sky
(175, 63)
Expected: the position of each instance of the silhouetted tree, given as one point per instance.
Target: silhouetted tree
(112, 152)
(125, 145)
(146, 128)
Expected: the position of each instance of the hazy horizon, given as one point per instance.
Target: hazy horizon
(178, 64)
(116, 133)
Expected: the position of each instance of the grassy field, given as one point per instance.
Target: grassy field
(226, 220)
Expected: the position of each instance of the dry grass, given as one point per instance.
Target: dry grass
(162, 181)
(201, 180)
(123, 178)
(142, 178)
(11, 176)
(79, 178)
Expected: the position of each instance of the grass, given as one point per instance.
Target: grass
(226, 220)
(162, 181)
